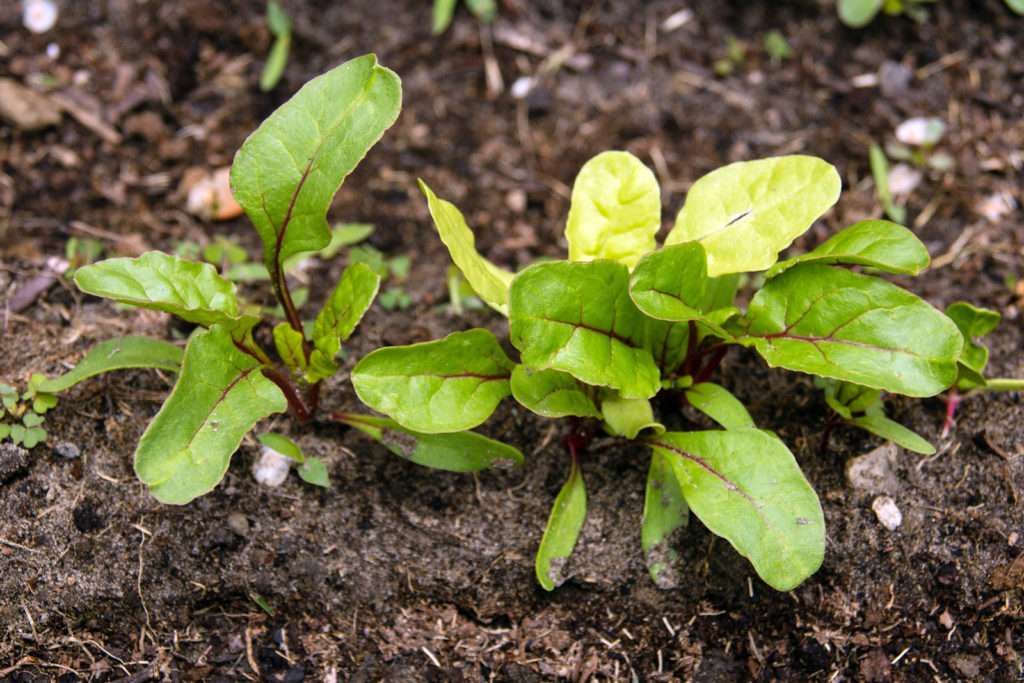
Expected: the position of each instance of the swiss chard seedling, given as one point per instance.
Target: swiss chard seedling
(444, 10)
(622, 333)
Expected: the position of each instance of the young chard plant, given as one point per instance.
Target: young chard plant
(623, 332)
(284, 176)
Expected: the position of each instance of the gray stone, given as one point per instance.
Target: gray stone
(874, 472)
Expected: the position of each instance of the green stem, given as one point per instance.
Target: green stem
(999, 384)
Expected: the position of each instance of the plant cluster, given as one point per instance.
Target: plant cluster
(860, 13)
(21, 415)
(623, 332)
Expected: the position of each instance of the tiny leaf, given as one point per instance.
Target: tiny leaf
(552, 393)
(288, 342)
(973, 322)
(454, 452)
(858, 13)
(563, 528)
(627, 417)
(119, 354)
(282, 445)
(746, 486)
(880, 244)
(665, 512)
(746, 212)
(486, 279)
(578, 318)
(220, 395)
(314, 471)
(446, 385)
(615, 210)
(831, 322)
(339, 317)
(192, 291)
(720, 405)
(879, 425)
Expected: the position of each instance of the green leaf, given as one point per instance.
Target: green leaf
(33, 436)
(454, 452)
(31, 419)
(17, 433)
(879, 425)
(552, 393)
(483, 9)
(858, 13)
(288, 342)
(880, 244)
(564, 525)
(277, 19)
(220, 395)
(665, 512)
(746, 212)
(446, 385)
(277, 60)
(43, 403)
(973, 322)
(745, 486)
(314, 471)
(578, 318)
(834, 323)
(880, 173)
(443, 12)
(5, 431)
(340, 316)
(615, 210)
(627, 417)
(670, 284)
(119, 354)
(282, 445)
(287, 171)
(720, 405)
(1016, 5)
(486, 279)
(192, 291)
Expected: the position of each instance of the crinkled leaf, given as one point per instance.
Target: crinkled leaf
(879, 425)
(289, 344)
(746, 486)
(858, 13)
(665, 512)
(721, 406)
(339, 317)
(831, 322)
(615, 210)
(486, 279)
(119, 354)
(314, 471)
(578, 318)
(666, 342)
(973, 322)
(880, 244)
(670, 283)
(455, 451)
(192, 291)
(288, 170)
(220, 395)
(552, 393)
(627, 417)
(282, 445)
(746, 212)
(446, 385)
(562, 530)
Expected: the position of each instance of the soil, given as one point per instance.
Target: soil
(400, 573)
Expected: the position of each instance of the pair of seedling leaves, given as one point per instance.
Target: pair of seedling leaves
(622, 321)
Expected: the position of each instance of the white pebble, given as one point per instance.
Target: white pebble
(522, 87)
(888, 514)
(271, 468)
(39, 15)
(904, 179)
(920, 131)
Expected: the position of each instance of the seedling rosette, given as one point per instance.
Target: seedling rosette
(605, 336)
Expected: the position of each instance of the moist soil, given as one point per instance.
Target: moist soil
(400, 573)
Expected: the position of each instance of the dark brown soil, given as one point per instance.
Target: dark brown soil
(399, 573)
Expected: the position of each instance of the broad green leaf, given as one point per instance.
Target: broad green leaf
(220, 395)
(1016, 5)
(858, 13)
(578, 318)
(486, 279)
(831, 322)
(446, 385)
(615, 210)
(282, 445)
(119, 354)
(666, 342)
(627, 417)
(552, 393)
(880, 244)
(879, 425)
(670, 283)
(973, 322)
(288, 170)
(289, 344)
(562, 530)
(192, 291)
(665, 512)
(747, 212)
(339, 317)
(455, 451)
(745, 486)
(720, 405)
(314, 471)
(720, 293)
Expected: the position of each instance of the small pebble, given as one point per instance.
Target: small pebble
(920, 131)
(888, 514)
(874, 472)
(238, 523)
(39, 16)
(904, 179)
(271, 468)
(66, 449)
